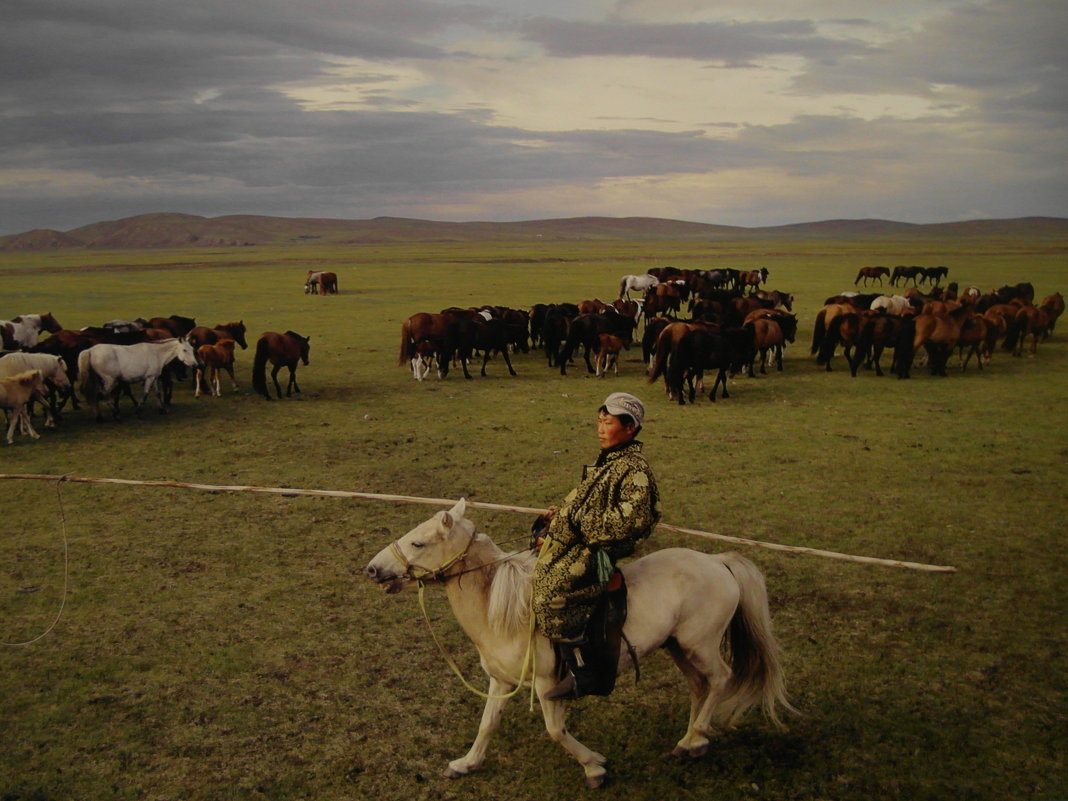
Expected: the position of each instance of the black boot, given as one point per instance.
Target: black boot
(578, 673)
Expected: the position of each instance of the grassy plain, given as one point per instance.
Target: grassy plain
(221, 646)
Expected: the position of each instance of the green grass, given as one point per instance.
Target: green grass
(218, 646)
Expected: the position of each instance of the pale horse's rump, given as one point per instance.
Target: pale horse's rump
(686, 601)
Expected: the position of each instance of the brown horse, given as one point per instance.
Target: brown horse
(1030, 321)
(685, 350)
(281, 350)
(752, 278)
(974, 336)
(423, 334)
(938, 334)
(871, 274)
(836, 323)
(210, 360)
(1054, 308)
(202, 335)
(608, 348)
(771, 332)
(877, 331)
(177, 325)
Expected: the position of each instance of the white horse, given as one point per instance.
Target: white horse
(891, 304)
(639, 283)
(101, 368)
(682, 600)
(52, 368)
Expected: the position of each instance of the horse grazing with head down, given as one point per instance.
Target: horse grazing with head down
(871, 274)
(281, 350)
(709, 612)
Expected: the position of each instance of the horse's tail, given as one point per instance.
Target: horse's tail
(661, 352)
(756, 673)
(830, 340)
(1013, 332)
(407, 349)
(86, 376)
(819, 331)
(905, 348)
(623, 286)
(259, 368)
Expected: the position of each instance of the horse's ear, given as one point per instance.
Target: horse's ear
(456, 514)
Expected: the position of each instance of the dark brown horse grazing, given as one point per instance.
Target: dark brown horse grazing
(281, 350)
(871, 274)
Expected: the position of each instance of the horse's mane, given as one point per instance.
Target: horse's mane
(508, 610)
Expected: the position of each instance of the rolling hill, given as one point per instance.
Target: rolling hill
(171, 230)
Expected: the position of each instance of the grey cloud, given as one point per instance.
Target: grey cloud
(731, 43)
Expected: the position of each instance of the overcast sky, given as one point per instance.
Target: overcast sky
(741, 112)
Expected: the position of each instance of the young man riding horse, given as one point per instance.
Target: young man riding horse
(602, 520)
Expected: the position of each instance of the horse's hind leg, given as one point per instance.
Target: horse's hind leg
(707, 674)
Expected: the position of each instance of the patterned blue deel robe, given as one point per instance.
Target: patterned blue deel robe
(600, 522)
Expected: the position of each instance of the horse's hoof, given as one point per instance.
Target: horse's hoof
(596, 782)
(452, 773)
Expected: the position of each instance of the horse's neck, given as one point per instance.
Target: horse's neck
(469, 592)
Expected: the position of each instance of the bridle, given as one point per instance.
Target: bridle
(430, 574)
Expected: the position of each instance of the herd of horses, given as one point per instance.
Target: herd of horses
(693, 322)
(731, 326)
(131, 358)
(935, 325)
(722, 322)
(918, 275)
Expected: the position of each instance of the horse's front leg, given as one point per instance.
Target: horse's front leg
(555, 723)
(491, 719)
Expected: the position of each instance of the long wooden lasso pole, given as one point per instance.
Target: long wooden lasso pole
(495, 507)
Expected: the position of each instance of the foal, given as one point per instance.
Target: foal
(214, 358)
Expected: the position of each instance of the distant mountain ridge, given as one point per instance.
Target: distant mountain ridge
(172, 230)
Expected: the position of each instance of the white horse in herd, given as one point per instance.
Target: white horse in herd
(637, 283)
(685, 601)
(103, 368)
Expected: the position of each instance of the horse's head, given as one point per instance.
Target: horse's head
(237, 331)
(50, 324)
(305, 349)
(425, 552)
(185, 353)
(59, 374)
